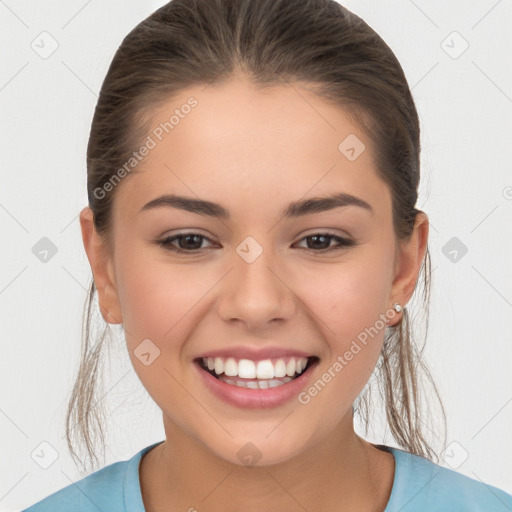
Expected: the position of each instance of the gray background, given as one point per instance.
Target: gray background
(464, 100)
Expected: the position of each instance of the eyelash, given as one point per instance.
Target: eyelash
(166, 243)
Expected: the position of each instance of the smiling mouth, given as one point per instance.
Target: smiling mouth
(245, 373)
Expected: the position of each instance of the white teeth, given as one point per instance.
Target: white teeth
(230, 367)
(265, 370)
(279, 369)
(247, 369)
(275, 383)
(290, 367)
(219, 366)
(260, 384)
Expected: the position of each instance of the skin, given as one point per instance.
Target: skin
(254, 151)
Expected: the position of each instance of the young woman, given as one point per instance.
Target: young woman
(253, 171)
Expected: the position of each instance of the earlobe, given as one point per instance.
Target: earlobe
(409, 260)
(101, 264)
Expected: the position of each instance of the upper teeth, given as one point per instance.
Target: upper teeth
(247, 369)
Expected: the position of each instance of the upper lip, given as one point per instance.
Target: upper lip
(254, 354)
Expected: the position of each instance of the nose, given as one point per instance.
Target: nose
(257, 293)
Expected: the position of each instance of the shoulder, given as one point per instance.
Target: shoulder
(114, 488)
(101, 490)
(422, 485)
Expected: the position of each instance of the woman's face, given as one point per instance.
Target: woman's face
(254, 289)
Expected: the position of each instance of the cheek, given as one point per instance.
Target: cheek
(159, 302)
(156, 296)
(350, 297)
(348, 302)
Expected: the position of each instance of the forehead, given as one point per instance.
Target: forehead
(253, 146)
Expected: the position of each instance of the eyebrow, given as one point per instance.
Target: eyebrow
(293, 210)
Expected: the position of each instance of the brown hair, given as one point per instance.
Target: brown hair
(323, 47)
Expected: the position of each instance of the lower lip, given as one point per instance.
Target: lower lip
(255, 398)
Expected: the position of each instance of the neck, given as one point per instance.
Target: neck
(343, 471)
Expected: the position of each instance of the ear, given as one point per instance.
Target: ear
(100, 259)
(409, 259)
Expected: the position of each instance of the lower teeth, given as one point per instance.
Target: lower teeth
(255, 384)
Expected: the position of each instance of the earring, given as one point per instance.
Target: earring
(397, 307)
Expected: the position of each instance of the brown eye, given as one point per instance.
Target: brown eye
(186, 242)
(321, 242)
(193, 242)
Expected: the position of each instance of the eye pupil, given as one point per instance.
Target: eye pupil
(316, 238)
(188, 238)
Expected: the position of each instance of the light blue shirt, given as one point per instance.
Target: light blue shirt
(419, 485)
